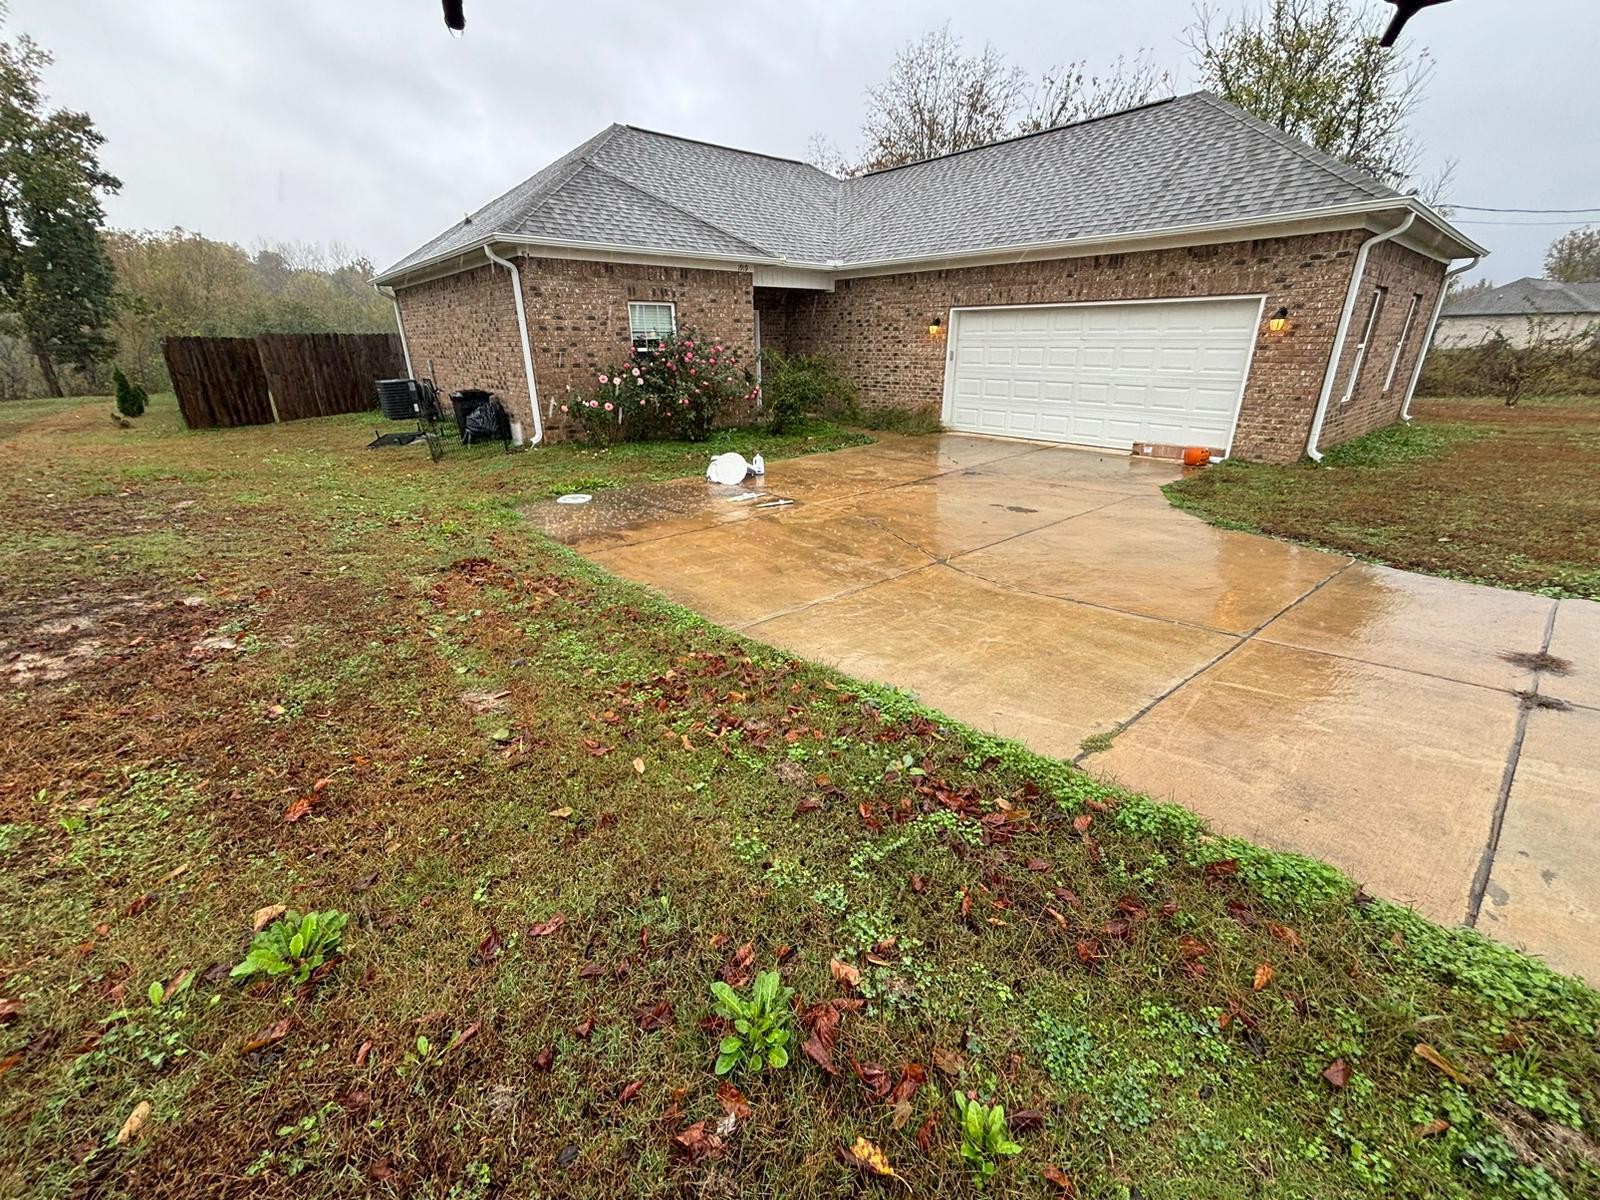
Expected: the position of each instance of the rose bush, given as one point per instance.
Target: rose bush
(676, 388)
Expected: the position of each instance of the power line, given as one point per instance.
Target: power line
(1480, 208)
(1529, 224)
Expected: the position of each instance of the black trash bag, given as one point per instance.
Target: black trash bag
(488, 422)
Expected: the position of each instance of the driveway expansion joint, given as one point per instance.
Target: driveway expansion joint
(1497, 820)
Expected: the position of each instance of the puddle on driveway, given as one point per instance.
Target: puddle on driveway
(614, 515)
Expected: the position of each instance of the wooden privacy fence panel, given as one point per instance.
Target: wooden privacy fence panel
(227, 381)
(218, 381)
(322, 374)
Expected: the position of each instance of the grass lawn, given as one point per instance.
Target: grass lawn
(1471, 489)
(556, 809)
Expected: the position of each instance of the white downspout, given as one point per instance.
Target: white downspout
(1433, 322)
(527, 349)
(405, 347)
(1350, 295)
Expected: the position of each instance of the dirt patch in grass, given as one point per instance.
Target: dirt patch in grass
(1471, 490)
(542, 892)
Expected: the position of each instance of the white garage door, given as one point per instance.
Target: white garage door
(1168, 372)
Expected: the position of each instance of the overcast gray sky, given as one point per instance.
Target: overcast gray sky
(365, 122)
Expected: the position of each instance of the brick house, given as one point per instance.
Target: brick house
(1177, 274)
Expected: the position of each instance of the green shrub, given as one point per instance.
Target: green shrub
(293, 944)
(795, 386)
(760, 1034)
(131, 398)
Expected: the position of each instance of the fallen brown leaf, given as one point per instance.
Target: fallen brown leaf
(270, 1036)
(873, 1077)
(865, 1157)
(266, 916)
(546, 928)
(545, 1059)
(653, 1017)
(948, 1061)
(1337, 1073)
(1063, 1182)
(1263, 976)
(736, 972)
(1431, 1128)
(299, 807)
(135, 1122)
(1285, 935)
(733, 1101)
(844, 973)
(823, 1020)
(1438, 1061)
(698, 1142)
(629, 1091)
(488, 949)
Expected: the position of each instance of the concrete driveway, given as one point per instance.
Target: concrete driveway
(1381, 720)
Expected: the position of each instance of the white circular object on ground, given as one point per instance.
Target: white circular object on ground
(574, 498)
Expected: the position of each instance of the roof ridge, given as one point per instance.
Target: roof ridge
(678, 137)
(643, 191)
(1344, 172)
(1022, 137)
(580, 154)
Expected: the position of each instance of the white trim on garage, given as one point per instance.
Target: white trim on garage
(952, 325)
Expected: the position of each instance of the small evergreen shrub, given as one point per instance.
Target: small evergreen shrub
(131, 398)
(796, 386)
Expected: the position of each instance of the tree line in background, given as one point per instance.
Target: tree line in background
(180, 284)
(77, 301)
(1313, 68)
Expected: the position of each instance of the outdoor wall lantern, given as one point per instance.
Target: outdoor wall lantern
(1278, 321)
(935, 330)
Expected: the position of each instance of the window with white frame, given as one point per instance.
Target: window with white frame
(1400, 343)
(1367, 331)
(649, 323)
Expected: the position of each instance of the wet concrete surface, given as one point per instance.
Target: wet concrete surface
(1371, 717)
(1546, 876)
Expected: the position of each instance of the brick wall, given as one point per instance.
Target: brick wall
(578, 318)
(876, 328)
(465, 327)
(1376, 399)
(577, 311)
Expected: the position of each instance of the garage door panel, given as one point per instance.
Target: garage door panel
(1104, 374)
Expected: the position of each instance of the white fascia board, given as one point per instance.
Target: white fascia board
(1446, 240)
(1322, 220)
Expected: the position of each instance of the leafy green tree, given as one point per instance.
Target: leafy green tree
(1315, 70)
(1574, 257)
(54, 273)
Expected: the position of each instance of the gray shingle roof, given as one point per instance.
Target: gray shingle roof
(1186, 161)
(1528, 295)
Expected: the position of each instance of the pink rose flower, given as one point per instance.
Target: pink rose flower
(563, 408)
(608, 406)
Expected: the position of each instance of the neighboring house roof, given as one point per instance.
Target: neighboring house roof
(1528, 296)
(1189, 161)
